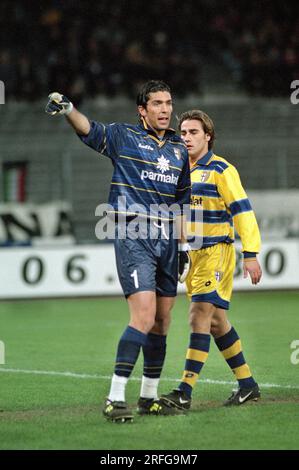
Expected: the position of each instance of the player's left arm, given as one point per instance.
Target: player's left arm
(236, 200)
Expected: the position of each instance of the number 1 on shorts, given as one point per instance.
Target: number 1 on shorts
(135, 277)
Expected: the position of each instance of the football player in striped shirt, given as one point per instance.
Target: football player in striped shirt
(151, 169)
(218, 194)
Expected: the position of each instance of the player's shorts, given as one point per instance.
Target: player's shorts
(211, 276)
(149, 264)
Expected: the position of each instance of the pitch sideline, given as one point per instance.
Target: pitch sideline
(108, 377)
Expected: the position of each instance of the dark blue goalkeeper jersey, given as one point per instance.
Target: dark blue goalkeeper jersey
(148, 172)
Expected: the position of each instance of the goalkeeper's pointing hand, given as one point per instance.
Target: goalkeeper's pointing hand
(58, 104)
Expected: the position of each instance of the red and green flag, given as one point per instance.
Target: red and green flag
(14, 181)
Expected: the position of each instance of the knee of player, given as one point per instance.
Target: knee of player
(143, 322)
(194, 320)
(215, 328)
(196, 323)
(162, 324)
(200, 313)
(219, 327)
(150, 322)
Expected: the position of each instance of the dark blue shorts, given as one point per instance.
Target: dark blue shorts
(148, 264)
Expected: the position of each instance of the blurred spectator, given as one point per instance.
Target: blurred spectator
(108, 47)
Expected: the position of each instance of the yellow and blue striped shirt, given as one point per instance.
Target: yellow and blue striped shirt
(218, 194)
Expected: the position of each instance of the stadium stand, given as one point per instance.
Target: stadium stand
(90, 48)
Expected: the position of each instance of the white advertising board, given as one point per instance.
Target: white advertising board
(90, 270)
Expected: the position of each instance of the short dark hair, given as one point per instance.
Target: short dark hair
(152, 86)
(206, 121)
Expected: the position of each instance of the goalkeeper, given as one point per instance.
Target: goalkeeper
(151, 168)
(218, 194)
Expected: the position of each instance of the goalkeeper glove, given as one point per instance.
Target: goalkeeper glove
(58, 104)
(184, 261)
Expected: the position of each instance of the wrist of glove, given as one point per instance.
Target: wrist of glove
(58, 104)
(184, 262)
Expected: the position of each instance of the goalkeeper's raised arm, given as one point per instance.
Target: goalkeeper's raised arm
(60, 104)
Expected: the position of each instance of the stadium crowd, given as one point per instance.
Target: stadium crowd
(107, 47)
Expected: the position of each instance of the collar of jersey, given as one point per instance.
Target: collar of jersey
(149, 131)
(205, 160)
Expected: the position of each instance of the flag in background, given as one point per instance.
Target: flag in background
(14, 181)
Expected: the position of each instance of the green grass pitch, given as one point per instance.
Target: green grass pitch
(42, 409)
